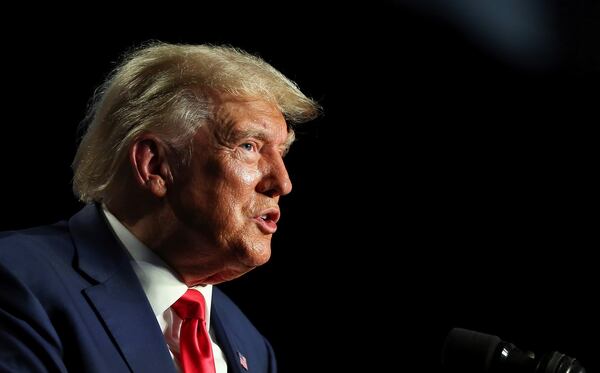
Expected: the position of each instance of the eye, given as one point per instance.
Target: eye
(248, 146)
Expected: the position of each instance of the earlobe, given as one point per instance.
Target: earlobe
(157, 186)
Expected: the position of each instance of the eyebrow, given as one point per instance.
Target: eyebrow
(237, 135)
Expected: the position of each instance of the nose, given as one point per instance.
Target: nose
(275, 181)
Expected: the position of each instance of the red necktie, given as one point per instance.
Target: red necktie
(195, 351)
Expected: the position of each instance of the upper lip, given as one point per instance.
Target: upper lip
(272, 214)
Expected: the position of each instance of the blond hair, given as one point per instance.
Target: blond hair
(164, 89)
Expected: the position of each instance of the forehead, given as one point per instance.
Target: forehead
(259, 117)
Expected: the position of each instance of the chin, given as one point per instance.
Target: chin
(255, 258)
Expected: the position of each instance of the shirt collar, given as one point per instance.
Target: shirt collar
(160, 283)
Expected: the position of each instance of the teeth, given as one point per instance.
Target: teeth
(264, 217)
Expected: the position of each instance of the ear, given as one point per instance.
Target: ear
(150, 164)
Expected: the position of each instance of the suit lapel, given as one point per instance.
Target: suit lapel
(226, 342)
(117, 295)
(133, 328)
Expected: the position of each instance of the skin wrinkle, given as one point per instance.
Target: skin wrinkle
(226, 135)
(209, 231)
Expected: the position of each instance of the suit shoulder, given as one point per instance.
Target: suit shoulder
(41, 244)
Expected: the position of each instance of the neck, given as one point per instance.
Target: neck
(156, 226)
(148, 221)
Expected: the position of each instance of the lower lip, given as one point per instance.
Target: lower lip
(266, 226)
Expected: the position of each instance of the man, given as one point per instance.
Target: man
(182, 169)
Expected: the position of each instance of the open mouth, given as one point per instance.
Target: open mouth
(267, 220)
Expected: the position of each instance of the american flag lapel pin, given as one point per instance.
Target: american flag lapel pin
(243, 361)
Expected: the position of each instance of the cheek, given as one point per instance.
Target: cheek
(233, 194)
(233, 190)
(247, 176)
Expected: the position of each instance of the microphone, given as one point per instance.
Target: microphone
(467, 351)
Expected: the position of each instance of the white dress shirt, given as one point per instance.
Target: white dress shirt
(163, 288)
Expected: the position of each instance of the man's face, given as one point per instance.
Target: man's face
(226, 201)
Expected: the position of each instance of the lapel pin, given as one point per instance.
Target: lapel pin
(243, 361)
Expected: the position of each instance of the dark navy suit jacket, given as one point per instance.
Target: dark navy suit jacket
(71, 302)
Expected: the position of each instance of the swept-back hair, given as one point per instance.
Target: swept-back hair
(165, 89)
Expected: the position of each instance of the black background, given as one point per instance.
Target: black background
(446, 184)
